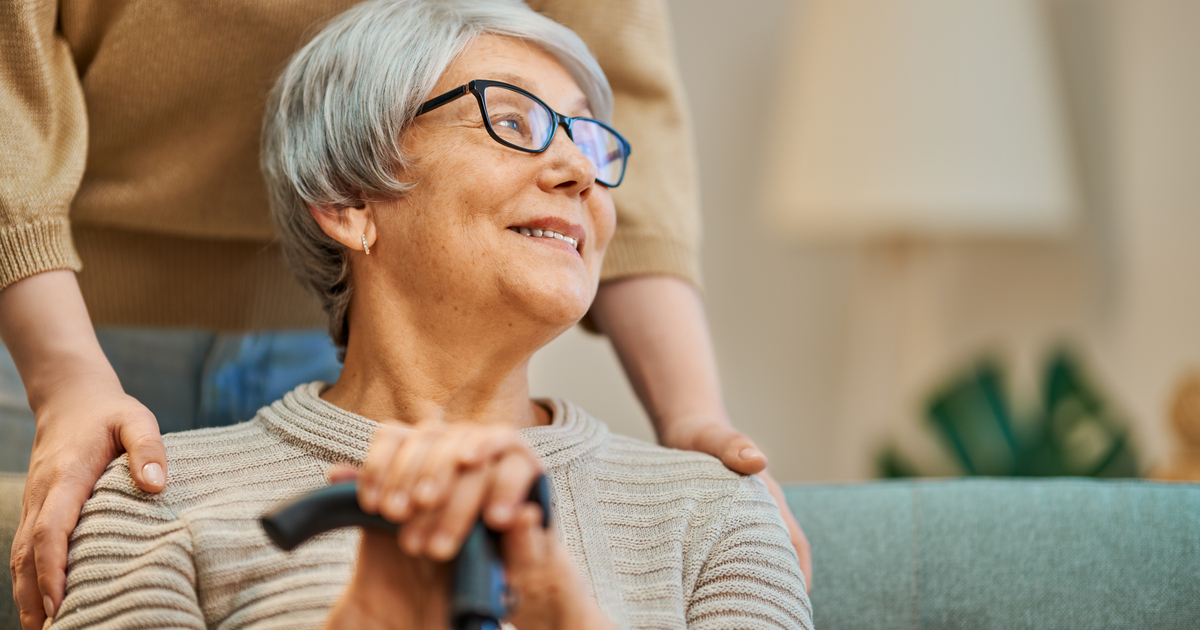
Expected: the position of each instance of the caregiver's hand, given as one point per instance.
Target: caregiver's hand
(436, 483)
(84, 420)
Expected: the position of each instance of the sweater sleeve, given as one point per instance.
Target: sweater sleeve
(43, 141)
(752, 577)
(130, 562)
(658, 217)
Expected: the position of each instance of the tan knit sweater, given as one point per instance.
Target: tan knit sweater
(129, 144)
(664, 538)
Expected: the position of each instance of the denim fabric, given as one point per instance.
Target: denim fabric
(188, 379)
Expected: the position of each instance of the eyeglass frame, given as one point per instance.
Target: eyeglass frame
(477, 86)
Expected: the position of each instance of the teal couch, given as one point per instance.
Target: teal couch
(970, 554)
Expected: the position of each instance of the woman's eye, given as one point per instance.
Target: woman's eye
(508, 124)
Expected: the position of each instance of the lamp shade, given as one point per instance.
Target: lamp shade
(919, 118)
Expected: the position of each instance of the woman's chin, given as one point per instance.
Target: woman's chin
(559, 308)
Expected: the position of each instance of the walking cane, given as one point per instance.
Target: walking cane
(479, 597)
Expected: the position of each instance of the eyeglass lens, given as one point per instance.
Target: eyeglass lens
(526, 123)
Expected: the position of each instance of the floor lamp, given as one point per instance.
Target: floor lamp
(899, 124)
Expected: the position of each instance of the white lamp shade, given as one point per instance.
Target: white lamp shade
(919, 118)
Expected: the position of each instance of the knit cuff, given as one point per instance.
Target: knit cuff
(650, 255)
(32, 248)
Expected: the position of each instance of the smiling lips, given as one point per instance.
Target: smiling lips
(537, 233)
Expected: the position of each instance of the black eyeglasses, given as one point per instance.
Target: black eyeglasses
(518, 119)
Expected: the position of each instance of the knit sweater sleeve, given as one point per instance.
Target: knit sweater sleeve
(752, 577)
(130, 562)
(658, 211)
(43, 141)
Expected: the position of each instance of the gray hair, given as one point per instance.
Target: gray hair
(335, 120)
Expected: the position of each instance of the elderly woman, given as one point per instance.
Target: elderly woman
(440, 177)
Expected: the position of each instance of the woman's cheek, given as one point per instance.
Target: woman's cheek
(605, 224)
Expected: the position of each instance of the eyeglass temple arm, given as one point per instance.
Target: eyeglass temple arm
(438, 101)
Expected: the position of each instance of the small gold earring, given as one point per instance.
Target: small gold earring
(365, 248)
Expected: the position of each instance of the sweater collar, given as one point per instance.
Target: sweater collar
(304, 419)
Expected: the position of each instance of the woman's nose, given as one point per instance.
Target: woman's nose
(570, 171)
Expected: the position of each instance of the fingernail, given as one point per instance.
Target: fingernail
(440, 546)
(152, 474)
(501, 513)
(49, 604)
(412, 544)
(424, 492)
(371, 498)
(750, 453)
(398, 503)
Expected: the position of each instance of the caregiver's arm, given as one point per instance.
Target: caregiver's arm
(73, 391)
(658, 328)
(84, 420)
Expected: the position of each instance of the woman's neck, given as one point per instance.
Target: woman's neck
(421, 378)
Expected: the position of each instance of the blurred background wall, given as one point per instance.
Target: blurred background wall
(828, 351)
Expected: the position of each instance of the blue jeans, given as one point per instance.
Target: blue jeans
(188, 379)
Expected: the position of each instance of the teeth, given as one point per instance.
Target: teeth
(573, 242)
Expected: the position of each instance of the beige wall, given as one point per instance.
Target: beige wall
(826, 352)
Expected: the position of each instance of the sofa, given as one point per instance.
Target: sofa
(971, 553)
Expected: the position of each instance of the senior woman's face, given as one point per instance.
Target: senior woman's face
(453, 237)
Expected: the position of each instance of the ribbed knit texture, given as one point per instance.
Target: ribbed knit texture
(164, 106)
(664, 538)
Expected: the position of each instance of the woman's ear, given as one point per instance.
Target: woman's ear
(352, 227)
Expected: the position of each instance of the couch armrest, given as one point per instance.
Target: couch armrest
(1003, 554)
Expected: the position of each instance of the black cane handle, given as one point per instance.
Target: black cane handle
(336, 505)
(479, 587)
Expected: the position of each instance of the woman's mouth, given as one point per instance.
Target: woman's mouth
(537, 233)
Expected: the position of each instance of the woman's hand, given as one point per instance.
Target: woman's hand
(548, 592)
(436, 483)
(84, 421)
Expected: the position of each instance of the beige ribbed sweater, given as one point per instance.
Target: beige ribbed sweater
(129, 134)
(664, 538)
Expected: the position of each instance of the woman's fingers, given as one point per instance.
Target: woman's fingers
(341, 473)
(509, 488)
(383, 449)
(442, 461)
(525, 544)
(437, 482)
(451, 524)
(395, 493)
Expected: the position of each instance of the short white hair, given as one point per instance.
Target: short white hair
(335, 120)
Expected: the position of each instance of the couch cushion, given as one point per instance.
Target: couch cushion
(999, 553)
(11, 486)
